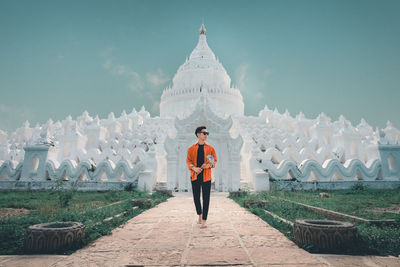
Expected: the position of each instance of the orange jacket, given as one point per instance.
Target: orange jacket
(191, 160)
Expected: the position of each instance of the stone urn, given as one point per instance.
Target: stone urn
(326, 235)
(53, 236)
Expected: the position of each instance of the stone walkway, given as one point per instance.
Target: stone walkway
(168, 235)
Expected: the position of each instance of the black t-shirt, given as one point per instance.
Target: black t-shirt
(200, 160)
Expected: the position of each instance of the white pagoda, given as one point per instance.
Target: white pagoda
(201, 73)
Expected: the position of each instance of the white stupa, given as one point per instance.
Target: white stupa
(201, 73)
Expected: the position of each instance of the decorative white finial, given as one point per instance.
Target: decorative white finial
(202, 29)
(44, 138)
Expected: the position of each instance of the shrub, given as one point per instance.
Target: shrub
(65, 197)
(359, 186)
(129, 187)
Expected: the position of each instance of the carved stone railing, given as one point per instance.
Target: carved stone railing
(38, 172)
(382, 173)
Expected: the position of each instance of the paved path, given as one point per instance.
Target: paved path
(168, 235)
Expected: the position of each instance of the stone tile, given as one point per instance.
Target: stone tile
(241, 265)
(296, 265)
(254, 241)
(209, 231)
(168, 226)
(217, 256)
(133, 226)
(217, 225)
(170, 242)
(217, 220)
(32, 260)
(128, 234)
(273, 255)
(147, 220)
(111, 245)
(5, 258)
(216, 241)
(166, 233)
(240, 223)
(180, 219)
(251, 230)
(152, 256)
(91, 259)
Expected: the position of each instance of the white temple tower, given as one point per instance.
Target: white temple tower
(201, 74)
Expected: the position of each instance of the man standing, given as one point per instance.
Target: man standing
(200, 159)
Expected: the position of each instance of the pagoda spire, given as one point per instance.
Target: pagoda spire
(202, 29)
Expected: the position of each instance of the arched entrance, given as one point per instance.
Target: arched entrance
(226, 175)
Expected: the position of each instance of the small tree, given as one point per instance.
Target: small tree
(65, 195)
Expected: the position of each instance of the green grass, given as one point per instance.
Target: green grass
(354, 202)
(83, 207)
(373, 240)
(283, 209)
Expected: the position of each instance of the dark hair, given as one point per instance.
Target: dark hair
(198, 129)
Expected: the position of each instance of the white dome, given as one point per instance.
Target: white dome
(202, 73)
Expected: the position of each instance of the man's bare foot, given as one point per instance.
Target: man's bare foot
(200, 220)
(203, 224)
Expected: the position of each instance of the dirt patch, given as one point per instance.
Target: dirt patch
(393, 209)
(8, 212)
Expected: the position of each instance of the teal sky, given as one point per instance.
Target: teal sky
(63, 57)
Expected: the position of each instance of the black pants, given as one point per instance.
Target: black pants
(206, 188)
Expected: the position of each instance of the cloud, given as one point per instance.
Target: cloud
(241, 72)
(135, 82)
(157, 78)
(153, 80)
(259, 95)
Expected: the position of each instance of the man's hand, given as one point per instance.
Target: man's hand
(206, 166)
(197, 169)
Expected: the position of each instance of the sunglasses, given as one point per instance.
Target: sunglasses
(205, 133)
